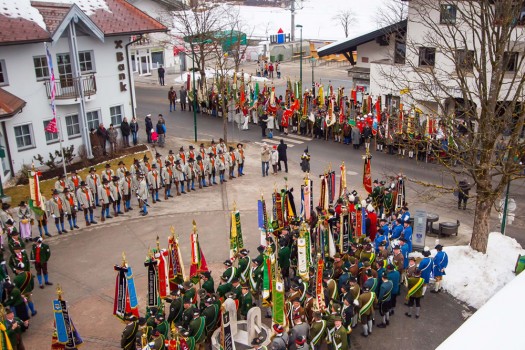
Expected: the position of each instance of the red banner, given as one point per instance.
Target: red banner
(319, 294)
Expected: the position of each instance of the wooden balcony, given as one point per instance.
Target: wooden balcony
(69, 88)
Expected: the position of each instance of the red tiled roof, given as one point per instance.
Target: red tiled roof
(20, 31)
(53, 13)
(123, 19)
(9, 104)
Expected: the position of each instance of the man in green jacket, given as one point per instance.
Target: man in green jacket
(283, 259)
(415, 292)
(224, 287)
(208, 284)
(340, 338)
(246, 301)
(197, 329)
(211, 314)
(24, 281)
(129, 335)
(14, 329)
(187, 315)
(40, 254)
(244, 265)
(19, 256)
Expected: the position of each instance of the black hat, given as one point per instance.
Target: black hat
(170, 151)
(260, 249)
(239, 144)
(115, 178)
(61, 176)
(55, 191)
(231, 149)
(438, 247)
(5, 206)
(66, 189)
(206, 274)
(121, 163)
(201, 145)
(235, 280)
(154, 165)
(127, 173)
(191, 160)
(199, 157)
(157, 155)
(22, 203)
(228, 263)
(191, 147)
(181, 149)
(244, 251)
(10, 222)
(82, 183)
(91, 169)
(108, 165)
(105, 181)
(8, 310)
(397, 246)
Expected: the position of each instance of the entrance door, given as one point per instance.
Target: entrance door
(5, 160)
(145, 64)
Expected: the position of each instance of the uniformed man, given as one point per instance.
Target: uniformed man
(70, 208)
(280, 341)
(108, 173)
(367, 301)
(318, 331)
(208, 284)
(283, 259)
(176, 307)
(161, 325)
(116, 193)
(14, 327)
(212, 166)
(86, 198)
(197, 328)
(154, 182)
(340, 338)
(232, 161)
(61, 183)
(230, 271)
(246, 301)
(398, 259)
(167, 178)
(55, 209)
(255, 277)
(106, 198)
(300, 330)
(415, 293)
(236, 288)
(40, 254)
(179, 172)
(187, 314)
(201, 170)
(127, 185)
(129, 335)
(75, 180)
(240, 159)
(222, 165)
(385, 292)
(191, 174)
(24, 281)
(309, 303)
(211, 315)
(142, 194)
(224, 287)
(244, 265)
(93, 182)
(188, 290)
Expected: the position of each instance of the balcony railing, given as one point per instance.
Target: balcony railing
(68, 88)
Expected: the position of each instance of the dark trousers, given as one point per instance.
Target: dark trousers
(462, 199)
(413, 300)
(41, 268)
(285, 165)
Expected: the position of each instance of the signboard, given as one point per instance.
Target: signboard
(420, 228)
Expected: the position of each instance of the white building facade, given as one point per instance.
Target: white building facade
(93, 82)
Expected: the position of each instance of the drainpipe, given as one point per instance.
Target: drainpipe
(8, 150)
(131, 87)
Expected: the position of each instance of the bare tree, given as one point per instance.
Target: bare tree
(464, 64)
(391, 12)
(345, 19)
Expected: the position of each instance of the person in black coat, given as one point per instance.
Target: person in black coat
(125, 130)
(149, 126)
(281, 149)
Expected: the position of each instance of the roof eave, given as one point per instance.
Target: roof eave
(138, 32)
(76, 14)
(22, 42)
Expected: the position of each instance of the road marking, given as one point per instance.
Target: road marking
(350, 172)
(269, 141)
(287, 140)
(299, 137)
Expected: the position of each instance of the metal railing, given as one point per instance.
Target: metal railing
(68, 88)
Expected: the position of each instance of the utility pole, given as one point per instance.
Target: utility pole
(292, 10)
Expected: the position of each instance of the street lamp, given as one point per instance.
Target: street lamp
(313, 62)
(300, 63)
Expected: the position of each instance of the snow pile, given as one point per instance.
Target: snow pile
(210, 74)
(21, 9)
(473, 277)
(87, 6)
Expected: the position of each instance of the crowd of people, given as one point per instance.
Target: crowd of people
(361, 284)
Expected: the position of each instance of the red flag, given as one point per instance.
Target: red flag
(188, 83)
(198, 262)
(295, 105)
(52, 126)
(242, 99)
(367, 176)
(378, 109)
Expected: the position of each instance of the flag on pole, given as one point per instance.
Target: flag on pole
(367, 176)
(176, 265)
(52, 126)
(198, 262)
(52, 83)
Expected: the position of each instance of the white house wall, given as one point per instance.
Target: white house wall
(23, 83)
(372, 51)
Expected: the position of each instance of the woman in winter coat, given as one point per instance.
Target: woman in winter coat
(274, 159)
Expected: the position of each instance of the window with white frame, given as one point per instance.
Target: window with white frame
(116, 115)
(93, 120)
(72, 125)
(41, 68)
(3, 74)
(86, 61)
(50, 137)
(24, 136)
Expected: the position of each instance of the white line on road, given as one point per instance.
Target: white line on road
(274, 142)
(287, 139)
(299, 137)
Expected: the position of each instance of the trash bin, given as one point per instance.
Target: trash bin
(280, 57)
(272, 58)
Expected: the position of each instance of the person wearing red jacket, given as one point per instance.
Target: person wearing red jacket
(373, 221)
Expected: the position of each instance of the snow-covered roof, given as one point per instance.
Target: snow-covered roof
(26, 21)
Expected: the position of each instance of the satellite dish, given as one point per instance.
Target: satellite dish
(511, 205)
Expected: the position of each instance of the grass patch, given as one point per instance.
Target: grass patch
(21, 192)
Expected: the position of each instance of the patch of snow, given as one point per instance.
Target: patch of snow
(21, 9)
(473, 277)
(210, 73)
(87, 6)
